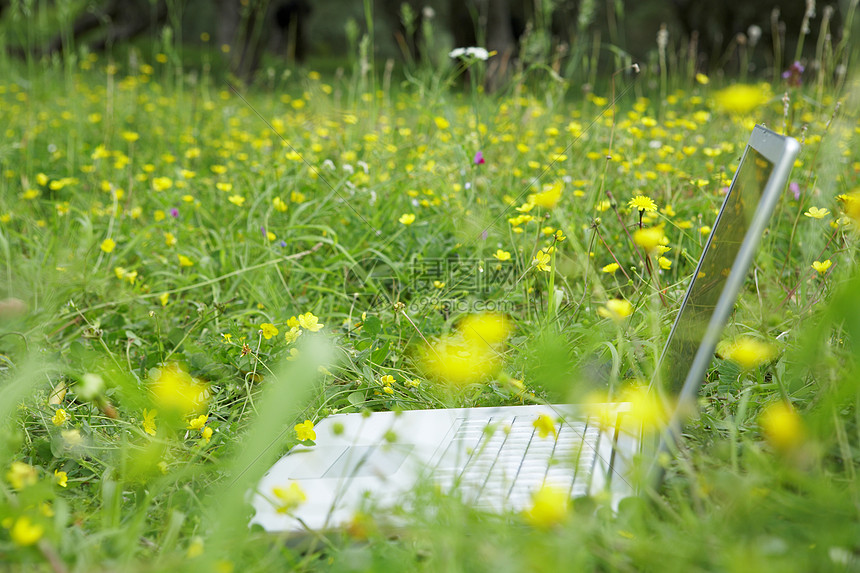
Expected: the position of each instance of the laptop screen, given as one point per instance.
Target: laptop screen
(710, 278)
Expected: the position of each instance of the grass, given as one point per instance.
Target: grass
(149, 220)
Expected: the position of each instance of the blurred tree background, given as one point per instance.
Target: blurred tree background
(756, 37)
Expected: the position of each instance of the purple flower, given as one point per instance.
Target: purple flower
(263, 230)
(283, 243)
(794, 188)
(174, 213)
(479, 158)
(793, 73)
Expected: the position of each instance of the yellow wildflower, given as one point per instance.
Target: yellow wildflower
(549, 507)
(502, 255)
(748, 352)
(269, 330)
(488, 327)
(821, 267)
(541, 261)
(407, 218)
(305, 431)
(544, 426)
(616, 308)
(149, 421)
(293, 334)
(25, 532)
(642, 203)
(60, 417)
(310, 322)
(441, 122)
(782, 426)
(816, 213)
(197, 423)
(648, 238)
(21, 475)
(62, 478)
(289, 498)
(176, 390)
(741, 99)
(611, 268)
(108, 245)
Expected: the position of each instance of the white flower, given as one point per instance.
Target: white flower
(473, 52)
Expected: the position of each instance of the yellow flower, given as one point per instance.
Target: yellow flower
(206, 434)
(195, 548)
(548, 198)
(486, 328)
(748, 353)
(269, 330)
(702, 79)
(169, 239)
(279, 204)
(163, 298)
(237, 200)
(130, 136)
(457, 360)
(60, 417)
(611, 268)
(821, 267)
(185, 261)
(541, 261)
(645, 407)
(664, 263)
(648, 238)
(176, 390)
(544, 426)
(149, 421)
(525, 207)
(549, 507)
(387, 380)
(305, 431)
(502, 255)
(197, 423)
(21, 474)
(642, 203)
(289, 498)
(782, 426)
(25, 532)
(62, 478)
(162, 183)
(741, 99)
(310, 322)
(816, 213)
(108, 245)
(407, 218)
(441, 122)
(851, 204)
(616, 308)
(293, 334)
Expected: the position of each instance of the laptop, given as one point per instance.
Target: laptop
(497, 458)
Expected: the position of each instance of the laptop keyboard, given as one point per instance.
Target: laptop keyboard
(500, 464)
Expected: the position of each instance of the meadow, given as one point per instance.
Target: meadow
(196, 271)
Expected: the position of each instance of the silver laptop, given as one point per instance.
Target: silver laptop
(497, 458)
